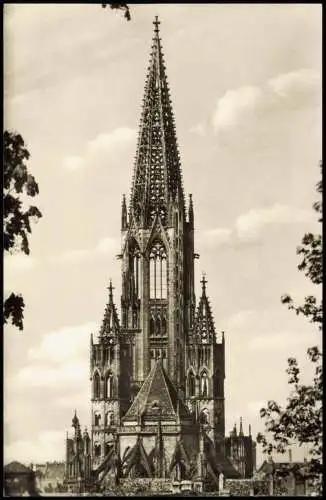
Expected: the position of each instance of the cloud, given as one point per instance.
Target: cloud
(104, 147)
(73, 163)
(234, 106)
(215, 237)
(75, 340)
(286, 84)
(255, 406)
(238, 106)
(109, 142)
(278, 341)
(48, 446)
(199, 129)
(104, 247)
(251, 223)
(19, 262)
(241, 319)
(248, 226)
(44, 376)
(107, 245)
(61, 356)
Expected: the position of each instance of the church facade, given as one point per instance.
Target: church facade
(157, 372)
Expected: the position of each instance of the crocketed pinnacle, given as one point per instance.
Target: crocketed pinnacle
(110, 325)
(204, 324)
(157, 173)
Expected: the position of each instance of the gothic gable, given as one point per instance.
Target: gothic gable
(157, 396)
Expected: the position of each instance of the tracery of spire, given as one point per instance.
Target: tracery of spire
(204, 323)
(110, 325)
(157, 176)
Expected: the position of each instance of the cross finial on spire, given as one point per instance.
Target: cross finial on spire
(156, 24)
(204, 281)
(110, 288)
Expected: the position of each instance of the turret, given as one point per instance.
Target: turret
(191, 213)
(124, 214)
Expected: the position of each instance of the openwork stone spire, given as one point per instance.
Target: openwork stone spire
(110, 325)
(204, 323)
(157, 173)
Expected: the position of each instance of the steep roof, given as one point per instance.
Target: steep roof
(16, 468)
(218, 461)
(157, 394)
(157, 170)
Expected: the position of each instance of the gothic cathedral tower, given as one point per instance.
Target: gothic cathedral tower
(159, 318)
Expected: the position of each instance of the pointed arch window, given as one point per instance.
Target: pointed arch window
(108, 386)
(108, 419)
(135, 267)
(158, 325)
(97, 450)
(96, 386)
(158, 272)
(97, 419)
(204, 385)
(151, 326)
(163, 328)
(191, 384)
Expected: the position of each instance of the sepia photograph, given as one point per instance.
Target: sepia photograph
(162, 231)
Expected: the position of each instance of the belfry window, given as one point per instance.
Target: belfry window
(96, 386)
(158, 272)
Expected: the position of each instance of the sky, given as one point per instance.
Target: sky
(245, 84)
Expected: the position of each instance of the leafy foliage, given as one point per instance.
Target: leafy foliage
(120, 6)
(300, 421)
(17, 182)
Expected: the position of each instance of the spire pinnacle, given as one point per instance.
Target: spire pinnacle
(191, 211)
(110, 324)
(241, 428)
(204, 323)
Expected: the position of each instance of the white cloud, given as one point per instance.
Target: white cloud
(278, 341)
(248, 226)
(294, 82)
(235, 105)
(120, 137)
(215, 237)
(199, 129)
(75, 340)
(76, 256)
(73, 163)
(255, 406)
(45, 376)
(241, 319)
(104, 147)
(105, 246)
(48, 446)
(250, 223)
(19, 262)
